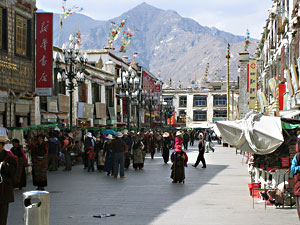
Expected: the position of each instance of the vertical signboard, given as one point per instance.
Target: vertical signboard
(148, 83)
(44, 43)
(252, 83)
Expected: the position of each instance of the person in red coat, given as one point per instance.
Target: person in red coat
(8, 166)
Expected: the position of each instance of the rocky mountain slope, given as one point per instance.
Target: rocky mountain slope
(166, 43)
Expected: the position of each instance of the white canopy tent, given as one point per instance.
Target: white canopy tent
(255, 133)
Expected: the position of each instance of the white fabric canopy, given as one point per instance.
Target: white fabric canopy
(255, 133)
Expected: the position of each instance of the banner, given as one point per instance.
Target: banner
(100, 110)
(148, 82)
(85, 111)
(64, 103)
(44, 43)
(252, 83)
(52, 104)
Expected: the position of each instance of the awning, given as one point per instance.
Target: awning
(290, 114)
(202, 125)
(255, 133)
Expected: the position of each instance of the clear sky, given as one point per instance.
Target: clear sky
(233, 16)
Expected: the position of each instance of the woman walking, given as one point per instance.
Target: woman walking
(100, 153)
(20, 175)
(138, 146)
(109, 159)
(179, 159)
(39, 163)
(201, 147)
(166, 147)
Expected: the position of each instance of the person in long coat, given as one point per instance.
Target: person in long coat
(179, 159)
(20, 176)
(151, 140)
(99, 150)
(8, 166)
(109, 156)
(39, 163)
(138, 147)
(166, 147)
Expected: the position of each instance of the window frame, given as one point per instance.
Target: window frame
(199, 100)
(217, 100)
(219, 110)
(182, 99)
(21, 35)
(199, 119)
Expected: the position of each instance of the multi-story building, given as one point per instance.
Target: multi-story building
(194, 107)
(17, 63)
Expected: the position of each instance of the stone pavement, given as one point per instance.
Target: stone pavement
(217, 195)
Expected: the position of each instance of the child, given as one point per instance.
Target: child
(91, 159)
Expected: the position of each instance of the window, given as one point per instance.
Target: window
(220, 113)
(168, 100)
(182, 101)
(200, 101)
(109, 96)
(96, 92)
(21, 36)
(217, 88)
(220, 100)
(3, 28)
(200, 115)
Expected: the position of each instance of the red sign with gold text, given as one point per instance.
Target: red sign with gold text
(44, 43)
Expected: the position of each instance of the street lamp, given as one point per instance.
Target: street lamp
(151, 101)
(169, 111)
(129, 86)
(71, 65)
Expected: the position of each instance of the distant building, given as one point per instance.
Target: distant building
(194, 107)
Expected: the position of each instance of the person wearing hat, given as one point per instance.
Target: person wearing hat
(138, 160)
(166, 147)
(118, 148)
(179, 159)
(128, 141)
(178, 139)
(89, 141)
(108, 154)
(201, 147)
(8, 166)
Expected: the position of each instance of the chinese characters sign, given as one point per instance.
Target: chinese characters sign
(148, 83)
(44, 35)
(252, 83)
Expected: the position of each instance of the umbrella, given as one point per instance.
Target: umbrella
(109, 132)
(255, 133)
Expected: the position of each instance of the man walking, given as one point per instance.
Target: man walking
(201, 153)
(118, 149)
(186, 139)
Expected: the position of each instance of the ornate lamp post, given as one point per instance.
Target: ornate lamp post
(129, 86)
(71, 65)
(169, 111)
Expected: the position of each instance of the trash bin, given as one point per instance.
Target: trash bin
(36, 207)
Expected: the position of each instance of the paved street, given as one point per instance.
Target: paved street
(217, 195)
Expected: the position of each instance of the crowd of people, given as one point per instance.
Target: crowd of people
(111, 153)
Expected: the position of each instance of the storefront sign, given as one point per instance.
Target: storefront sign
(148, 83)
(22, 109)
(100, 110)
(64, 103)
(44, 33)
(52, 104)
(112, 114)
(252, 83)
(281, 93)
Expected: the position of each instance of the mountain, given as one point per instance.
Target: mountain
(173, 46)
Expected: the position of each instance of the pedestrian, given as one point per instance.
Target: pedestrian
(53, 149)
(178, 139)
(128, 141)
(109, 155)
(166, 147)
(201, 149)
(8, 167)
(91, 159)
(179, 159)
(208, 143)
(186, 139)
(192, 137)
(40, 163)
(151, 140)
(295, 170)
(67, 152)
(89, 141)
(137, 150)
(20, 175)
(99, 151)
(118, 148)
